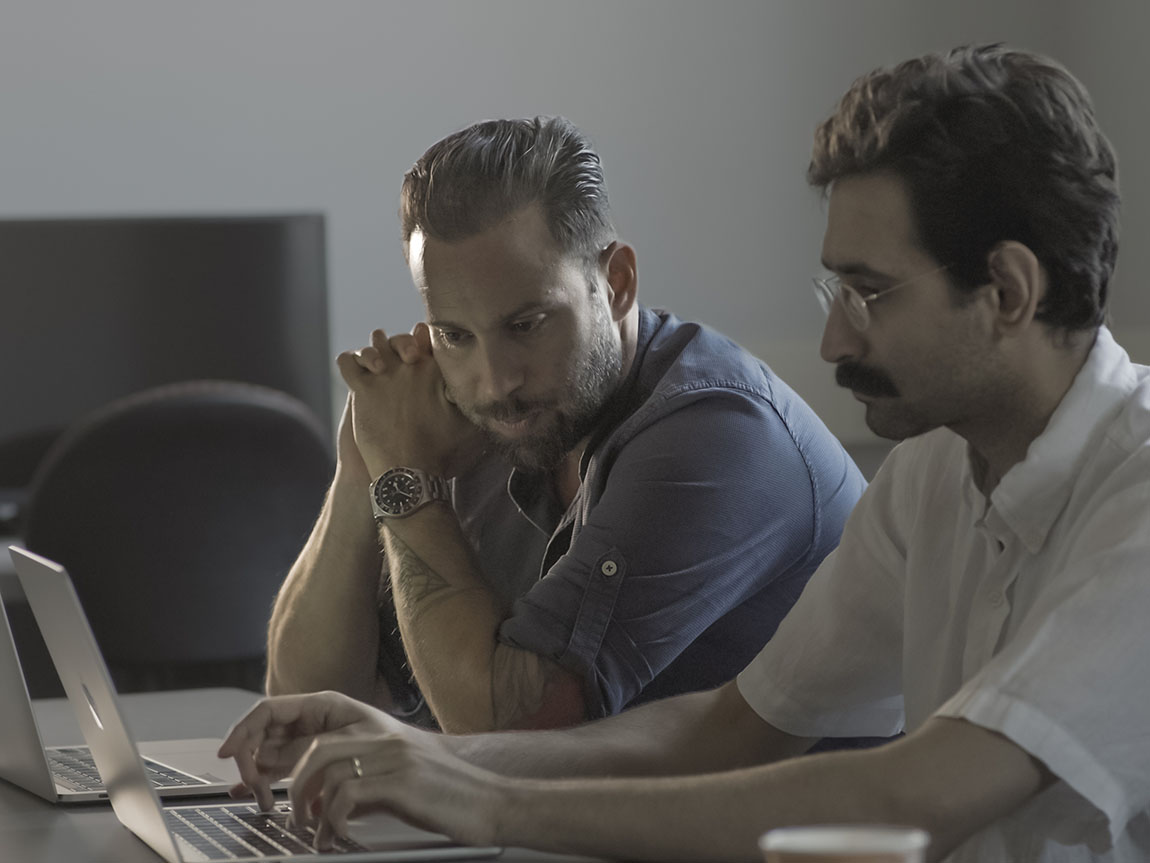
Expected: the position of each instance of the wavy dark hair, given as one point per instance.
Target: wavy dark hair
(478, 176)
(994, 144)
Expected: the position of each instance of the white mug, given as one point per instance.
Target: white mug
(845, 843)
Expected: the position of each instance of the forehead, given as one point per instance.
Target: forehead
(870, 225)
(513, 264)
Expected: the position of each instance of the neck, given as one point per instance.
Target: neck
(565, 477)
(1023, 409)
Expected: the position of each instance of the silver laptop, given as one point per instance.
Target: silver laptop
(225, 831)
(67, 774)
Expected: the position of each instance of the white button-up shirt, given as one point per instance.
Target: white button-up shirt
(1028, 614)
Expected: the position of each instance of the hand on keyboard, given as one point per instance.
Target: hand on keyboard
(269, 741)
(346, 757)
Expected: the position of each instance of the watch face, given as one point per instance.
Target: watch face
(398, 491)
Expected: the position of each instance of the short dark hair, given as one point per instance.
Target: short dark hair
(994, 144)
(478, 176)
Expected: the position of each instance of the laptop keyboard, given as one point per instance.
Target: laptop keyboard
(74, 768)
(242, 831)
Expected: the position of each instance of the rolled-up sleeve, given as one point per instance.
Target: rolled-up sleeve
(709, 502)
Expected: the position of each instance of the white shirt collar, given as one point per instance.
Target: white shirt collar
(1033, 492)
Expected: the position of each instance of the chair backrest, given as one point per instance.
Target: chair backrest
(178, 511)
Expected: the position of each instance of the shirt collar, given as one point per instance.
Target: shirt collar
(1034, 492)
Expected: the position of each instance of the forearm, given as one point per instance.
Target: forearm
(696, 733)
(950, 778)
(447, 616)
(716, 816)
(324, 630)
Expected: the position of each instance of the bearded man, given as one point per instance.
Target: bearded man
(583, 503)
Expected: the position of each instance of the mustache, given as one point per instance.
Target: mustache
(864, 379)
(508, 411)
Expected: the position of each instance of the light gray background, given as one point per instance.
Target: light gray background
(703, 113)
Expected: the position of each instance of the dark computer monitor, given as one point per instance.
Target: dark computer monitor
(93, 309)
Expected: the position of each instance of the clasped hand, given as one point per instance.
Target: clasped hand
(345, 757)
(398, 410)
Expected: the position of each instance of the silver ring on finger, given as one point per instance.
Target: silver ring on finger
(357, 766)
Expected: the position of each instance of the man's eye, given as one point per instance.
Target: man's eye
(526, 326)
(451, 337)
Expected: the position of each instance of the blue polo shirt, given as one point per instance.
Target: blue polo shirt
(709, 495)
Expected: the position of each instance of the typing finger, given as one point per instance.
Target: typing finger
(336, 801)
(309, 777)
(253, 740)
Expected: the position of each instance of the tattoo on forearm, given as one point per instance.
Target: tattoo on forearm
(518, 683)
(418, 586)
(414, 579)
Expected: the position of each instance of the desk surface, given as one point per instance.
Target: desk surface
(32, 829)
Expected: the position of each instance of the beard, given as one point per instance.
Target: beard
(885, 419)
(568, 417)
(897, 424)
(889, 415)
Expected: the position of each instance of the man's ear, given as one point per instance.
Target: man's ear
(1018, 281)
(617, 263)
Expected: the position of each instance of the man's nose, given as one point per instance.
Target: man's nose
(841, 341)
(500, 374)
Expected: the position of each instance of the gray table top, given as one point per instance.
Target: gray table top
(35, 831)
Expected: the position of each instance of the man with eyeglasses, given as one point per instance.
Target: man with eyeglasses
(992, 587)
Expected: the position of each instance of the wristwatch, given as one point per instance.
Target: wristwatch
(402, 490)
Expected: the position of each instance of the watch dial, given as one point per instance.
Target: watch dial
(398, 493)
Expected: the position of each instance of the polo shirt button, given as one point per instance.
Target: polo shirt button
(996, 598)
(609, 568)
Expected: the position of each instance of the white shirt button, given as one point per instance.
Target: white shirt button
(609, 568)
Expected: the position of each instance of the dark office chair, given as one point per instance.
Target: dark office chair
(19, 455)
(178, 511)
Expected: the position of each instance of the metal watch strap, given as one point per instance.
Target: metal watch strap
(438, 488)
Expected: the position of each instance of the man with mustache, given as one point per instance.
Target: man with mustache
(992, 587)
(649, 501)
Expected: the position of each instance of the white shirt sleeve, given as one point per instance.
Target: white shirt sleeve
(834, 667)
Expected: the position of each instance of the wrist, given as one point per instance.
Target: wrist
(509, 798)
(401, 491)
(348, 475)
(379, 464)
(347, 487)
(426, 455)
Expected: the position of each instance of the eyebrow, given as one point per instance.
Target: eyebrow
(521, 311)
(852, 268)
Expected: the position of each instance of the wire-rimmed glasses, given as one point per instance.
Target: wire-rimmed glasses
(855, 303)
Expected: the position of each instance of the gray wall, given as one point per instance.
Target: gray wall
(703, 113)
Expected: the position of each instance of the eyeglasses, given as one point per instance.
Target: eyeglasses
(856, 304)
